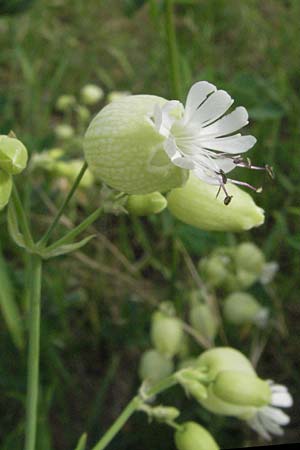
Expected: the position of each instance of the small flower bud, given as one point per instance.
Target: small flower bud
(240, 388)
(114, 96)
(71, 169)
(83, 113)
(123, 148)
(164, 413)
(143, 205)
(217, 359)
(214, 269)
(5, 188)
(65, 102)
(91, 94)
(193, 436)
(196, 204)
(202, 319)
(241, 308)
(245, 279)
(249, 257)
(154, 366)
(64, 131)
(166, 334)
(13, 155)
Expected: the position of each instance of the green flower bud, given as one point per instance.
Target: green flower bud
(13, 155)
(240, 388)
(166, 333)
(64, 131)
(193, 436)
(214, 269)
(71, 169)
(196, 204)
(188, 363)
(123, 148)
(65, 102)
(224, 358)
(91, 94)
(164, 413)
(202, 319)
(83, 113)
(114, 96)
(143, 205)
(154, 366)
(245, 279)
(5, 188)
(241, 308)
(249, 257)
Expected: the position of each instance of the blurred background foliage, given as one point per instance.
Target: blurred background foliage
(97, 303)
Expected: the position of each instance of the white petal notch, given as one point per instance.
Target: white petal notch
(202, 136)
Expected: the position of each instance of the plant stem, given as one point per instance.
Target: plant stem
(21, 215)
(118, 424)
(132, 406)
(33, 353)
(79, 229)
(65, 203)
(172, 49)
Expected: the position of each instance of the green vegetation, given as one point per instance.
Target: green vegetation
(97, 303)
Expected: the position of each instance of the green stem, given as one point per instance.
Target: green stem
(172, 49)
(53, 225)
(79, 229)
(132, 406)
(21, 215)
(33, 354)
(118, 424)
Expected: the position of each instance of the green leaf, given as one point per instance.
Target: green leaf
(13, 226)
(9, 306)
(82, 442)
(64, 249)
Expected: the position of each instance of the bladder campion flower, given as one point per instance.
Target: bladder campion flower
(236, 390)
(199, 137)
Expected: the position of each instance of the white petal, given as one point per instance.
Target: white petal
(171, 148)
(232, 144)
(176, 157)
(228, 124)
(225, 164)
(256, 425)
(278, 388)
(277, 415)
(282, 399)
(204, 175)
(213, 108)
(271, 427)
(184, 162)
(197, 94)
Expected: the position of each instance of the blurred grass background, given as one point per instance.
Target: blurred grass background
(96, 304)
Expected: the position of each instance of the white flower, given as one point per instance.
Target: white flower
(201, 138)
(269, 419)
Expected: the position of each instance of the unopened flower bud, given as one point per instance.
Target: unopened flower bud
(202, 319)
(193, 436)
(241, 308)
(249, 257)
(71, 169)
(65, 102)
(64, 131)
(164, 413)
(91, 94)
(214, 269)
(196, 204)
(123, 148)
(83, 113)
(143, 205)
(5, 188)
(245, 279)
(166, 333)
(13, 155)
(217, 359)
(154, 366)
(240, 388)
(114, 96)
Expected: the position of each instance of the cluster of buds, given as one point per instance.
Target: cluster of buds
(234, 270)
(13, 160)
